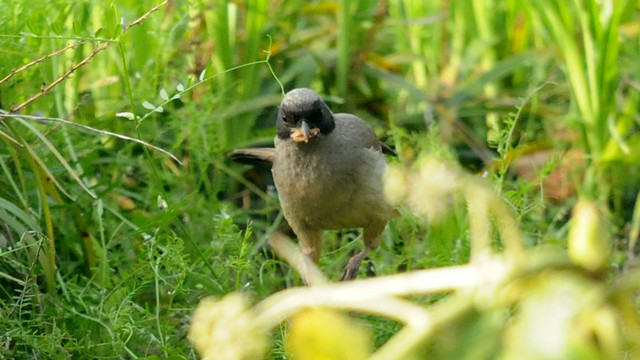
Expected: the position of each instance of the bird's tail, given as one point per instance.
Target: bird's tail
(253, 156)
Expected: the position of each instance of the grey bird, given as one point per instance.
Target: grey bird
(328, 171)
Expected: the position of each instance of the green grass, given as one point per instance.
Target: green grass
(107, 245)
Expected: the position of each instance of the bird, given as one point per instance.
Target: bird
(328, 172)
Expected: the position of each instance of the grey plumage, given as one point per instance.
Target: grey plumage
(328, 171)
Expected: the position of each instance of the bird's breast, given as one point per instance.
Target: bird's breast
(327, 187)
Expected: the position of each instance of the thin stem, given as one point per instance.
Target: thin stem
(479, 224)
(83, 62)
(40, 60)
(92, 129)
(290, 253)
(359, 295)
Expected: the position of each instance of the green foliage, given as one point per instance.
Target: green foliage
(107, 243)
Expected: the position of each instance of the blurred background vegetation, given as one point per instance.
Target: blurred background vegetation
(106, 245)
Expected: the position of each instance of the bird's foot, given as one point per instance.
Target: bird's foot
(351, 270)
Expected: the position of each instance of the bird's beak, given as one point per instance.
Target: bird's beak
(303, 133)
(304, 128)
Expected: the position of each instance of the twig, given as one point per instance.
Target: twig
(146, 15)
(84, 61)
(57, 81)
(92, 129)
(285, 249)
(37, 61)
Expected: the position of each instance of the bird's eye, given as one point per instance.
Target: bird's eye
(315, 118)
(287, 120)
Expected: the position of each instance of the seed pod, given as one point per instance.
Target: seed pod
(588, 239)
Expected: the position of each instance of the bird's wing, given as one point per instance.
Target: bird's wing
(356, 130)
(253, 156)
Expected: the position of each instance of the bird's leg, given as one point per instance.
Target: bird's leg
(371, 234)
(351, 270)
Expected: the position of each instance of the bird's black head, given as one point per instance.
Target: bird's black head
(303, 115)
